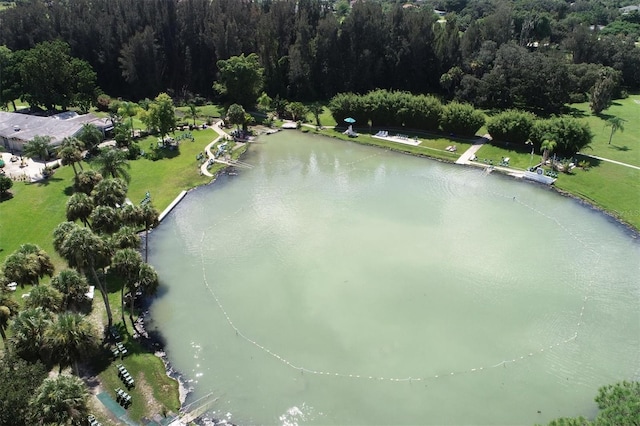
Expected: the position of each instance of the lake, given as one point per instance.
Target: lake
(338, 284)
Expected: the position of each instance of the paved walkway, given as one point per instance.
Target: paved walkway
(221, 134)
(465, 158)
(610, 161)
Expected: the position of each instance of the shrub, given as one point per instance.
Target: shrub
(102, 103)
(511, 126)
(5, 184)
(461, 119)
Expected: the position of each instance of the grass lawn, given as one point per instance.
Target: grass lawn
(148, 371)
(625, 145)
(166, 177)
(611, 187)
(519, 157)
(33, 212)
(430, 145)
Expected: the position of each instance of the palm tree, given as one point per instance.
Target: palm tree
(71, 153)
(86, 181)
(105, 220)
(60, 401)
(131, 215)
(73, 287)
(547, 146)
(37, 147)
(87, 252)
(27, 329)
(130, 110)
(113, 162)
(91, 137)
(45, 297)
(150, 215)
(70, 339)
(110, 192)
(79, 206)
(616, 124)
(193, 112)
(126, 264)
(316, 109)
(27, 265)
(125, 237)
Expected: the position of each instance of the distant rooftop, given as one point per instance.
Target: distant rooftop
(20, 127)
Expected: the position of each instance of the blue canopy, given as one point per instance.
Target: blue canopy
(350, 120)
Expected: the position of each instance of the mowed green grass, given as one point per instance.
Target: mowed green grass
(608, 186)
(625, 145)
(33, 212)
(167, 177)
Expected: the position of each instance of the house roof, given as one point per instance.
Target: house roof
(24, 127)
(629, 9)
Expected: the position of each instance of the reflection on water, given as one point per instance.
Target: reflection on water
(340, 284)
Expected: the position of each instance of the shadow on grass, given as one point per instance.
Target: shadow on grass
(620, 148)
(69, 191)
(6, 196)
(592, 162)
(575, 112)
(46, 182)
(162, 154)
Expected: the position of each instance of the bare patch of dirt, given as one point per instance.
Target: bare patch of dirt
(152, 405)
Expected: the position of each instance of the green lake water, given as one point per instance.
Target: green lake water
(336, 284)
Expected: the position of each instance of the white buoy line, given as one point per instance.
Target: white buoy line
(418, 377)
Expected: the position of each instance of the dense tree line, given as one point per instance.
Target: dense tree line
(535, 54)
(382, 108)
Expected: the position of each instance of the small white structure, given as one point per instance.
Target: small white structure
(91, 292)
(539, 176)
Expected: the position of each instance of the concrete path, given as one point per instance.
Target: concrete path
(610, 161)
(465, 158)
(221, 134)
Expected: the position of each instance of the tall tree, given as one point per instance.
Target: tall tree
(86, 181)
(602, 91)
(150, 219)
(616, 124)
(126, 264)
(79, 206)
(240, 79)
(86, 251)
(19, 380)
(128, 110)
(52, 77)
(70, 153)
(37, 147)
(193, 112)
(10, 87)
(46, 297)
(69, 339)
(160, 115)
(113, 162)
(143, 63)
(27, 265)
(61, 401)
(27, 333)
(110, 192)
(90, 136)
(72, 286)
(236, 115)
